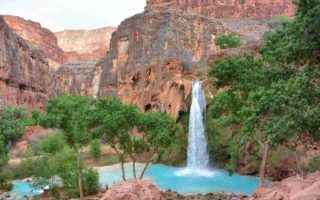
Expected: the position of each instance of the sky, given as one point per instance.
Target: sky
(73, 14)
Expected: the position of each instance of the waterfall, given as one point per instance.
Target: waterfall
(198, 157)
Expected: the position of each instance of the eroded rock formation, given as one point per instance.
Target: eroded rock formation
(236, 9)
(37, 36)
(24, 71)
(85, 44)
(77, 78)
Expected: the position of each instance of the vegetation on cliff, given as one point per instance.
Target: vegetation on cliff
(273, 99)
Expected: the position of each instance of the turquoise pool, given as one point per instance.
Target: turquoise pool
(167, 177)
(23, 188)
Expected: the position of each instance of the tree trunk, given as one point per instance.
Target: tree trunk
(123, 170)
(298, 161)
(263, 165)
(79, 159)
(121, 162)
(144, 169)
(134, 168)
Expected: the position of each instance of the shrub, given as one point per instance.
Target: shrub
(227, 41)
(313, 165)
(95, 148)
(90, 181)
(53, 143)
(278, 22)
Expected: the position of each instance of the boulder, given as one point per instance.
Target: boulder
(133, 190)
(293, 188)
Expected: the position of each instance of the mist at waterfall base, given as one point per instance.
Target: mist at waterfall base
(196, 178)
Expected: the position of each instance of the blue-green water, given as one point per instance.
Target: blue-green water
(23, 188)
(167, 177)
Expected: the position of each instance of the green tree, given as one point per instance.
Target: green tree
(158, 130)
(116, 121)
(130, 132)
(5, 176)
(271, 104)
(72, 115)
(12, 123)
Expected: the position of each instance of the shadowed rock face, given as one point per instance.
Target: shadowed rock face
(37, 36)
(85, 44)
(77, 78)
(24, 71)
(235, 9)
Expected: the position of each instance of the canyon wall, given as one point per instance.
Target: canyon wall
(77, 78)
(154, 55)
(85, 44)
(236, 9)
(64, 46)
(24, 71)
(37, 36)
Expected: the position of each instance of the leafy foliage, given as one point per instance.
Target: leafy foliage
(12, 123)
(227, 41)
(273, 99)
(95, 148)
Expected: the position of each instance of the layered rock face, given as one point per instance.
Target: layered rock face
(77, 78)
(24, 71)
(37, 36)
(236, 9)
(140, 68)
(85, 44)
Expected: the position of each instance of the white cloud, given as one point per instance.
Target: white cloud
(73, 14)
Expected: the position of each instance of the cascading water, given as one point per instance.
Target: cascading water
(198, 157)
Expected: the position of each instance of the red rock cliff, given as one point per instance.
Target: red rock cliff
(236, 9)
(64, 46)
(37, 36)
(154, 55)
(85, 44)
(24, 71)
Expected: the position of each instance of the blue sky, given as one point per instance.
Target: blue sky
(73, 14)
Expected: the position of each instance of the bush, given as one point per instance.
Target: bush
(5, 177)
(279, 22)
(313, 165)
(90, 181)
(227, 41)
(53, 143)
(95, 148)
